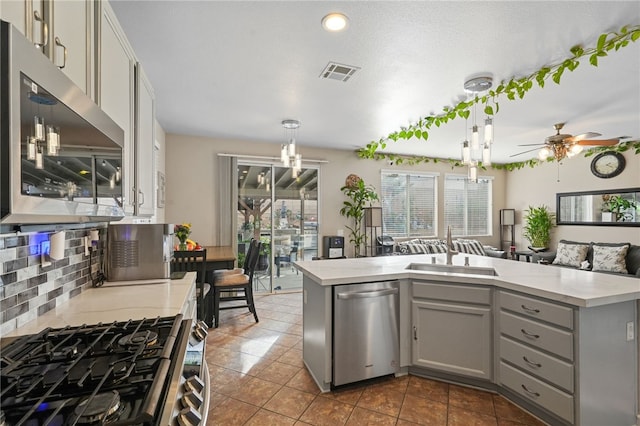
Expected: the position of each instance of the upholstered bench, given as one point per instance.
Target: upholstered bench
(615, 258)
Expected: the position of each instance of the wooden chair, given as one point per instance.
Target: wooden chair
(195, 261)
(238, 285)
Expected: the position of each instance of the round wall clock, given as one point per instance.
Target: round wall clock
(608, 164)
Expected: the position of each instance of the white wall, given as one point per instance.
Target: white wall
(191, 179)
(539, 185)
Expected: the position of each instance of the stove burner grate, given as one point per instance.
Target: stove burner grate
(148, 338)
(102, 408)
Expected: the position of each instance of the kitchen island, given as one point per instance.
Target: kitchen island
(557, 341)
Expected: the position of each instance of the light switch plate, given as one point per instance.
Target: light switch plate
(630, 331)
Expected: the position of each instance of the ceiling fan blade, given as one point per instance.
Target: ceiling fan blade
(582, 136)
(595, 142)
(524, 152)
(532, 144)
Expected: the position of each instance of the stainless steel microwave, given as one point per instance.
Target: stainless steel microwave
(60, 154)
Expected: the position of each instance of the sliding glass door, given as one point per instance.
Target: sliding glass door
(283, 212)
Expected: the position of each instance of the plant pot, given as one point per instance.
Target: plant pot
(608, 217)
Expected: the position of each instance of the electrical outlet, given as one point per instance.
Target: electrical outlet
(630, 331)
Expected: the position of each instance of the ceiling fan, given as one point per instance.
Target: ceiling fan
(563, 145)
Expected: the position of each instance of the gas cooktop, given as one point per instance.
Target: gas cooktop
(116, 374)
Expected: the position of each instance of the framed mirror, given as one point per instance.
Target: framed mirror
(611, 207)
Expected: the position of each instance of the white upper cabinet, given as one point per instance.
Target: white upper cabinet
(145, 139)
(115, 87)
(61, 29)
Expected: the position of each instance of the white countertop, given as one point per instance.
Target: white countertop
(572, 286)
(117, 302)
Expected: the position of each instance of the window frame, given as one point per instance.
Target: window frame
(407, 233)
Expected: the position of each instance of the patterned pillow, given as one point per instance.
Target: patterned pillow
(416, 248)
(610, 258)
(438, 248)
(570, 254)
(469, 246)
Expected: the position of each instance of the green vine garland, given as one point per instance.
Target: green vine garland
(514, 88)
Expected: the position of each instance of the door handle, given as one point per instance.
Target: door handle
(415, 333)
(141, 202)
(366, 294)
(64, 49)
(45, 29)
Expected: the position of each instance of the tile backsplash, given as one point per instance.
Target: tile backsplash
(27, 289)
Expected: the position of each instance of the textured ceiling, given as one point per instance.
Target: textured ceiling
(236, 69)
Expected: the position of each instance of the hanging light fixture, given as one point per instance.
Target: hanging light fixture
(474, 152)
(288, 154)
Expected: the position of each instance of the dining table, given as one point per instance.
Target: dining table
(219, 257)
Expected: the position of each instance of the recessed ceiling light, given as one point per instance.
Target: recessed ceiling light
(334, 22)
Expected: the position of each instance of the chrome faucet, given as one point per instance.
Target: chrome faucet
(450, 251)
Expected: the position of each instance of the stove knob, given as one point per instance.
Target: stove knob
(189, 417)
(200, 331)
(192, 399)
(194, 383)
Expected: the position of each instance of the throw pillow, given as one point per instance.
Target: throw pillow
(469, 246)
(569, 254)
(609, 258)
(417, 248)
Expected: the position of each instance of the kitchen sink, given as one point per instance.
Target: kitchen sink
(455, 269)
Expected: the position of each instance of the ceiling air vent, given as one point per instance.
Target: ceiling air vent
(340, 72)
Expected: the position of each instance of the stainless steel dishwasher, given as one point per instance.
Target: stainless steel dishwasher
(365, 331)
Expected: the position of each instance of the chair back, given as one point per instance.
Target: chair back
(190, 261)
(251, 261)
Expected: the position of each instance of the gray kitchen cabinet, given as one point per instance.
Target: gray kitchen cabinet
(144, 145)
(452, 329)
(550, 359)
(115, 81)
(62, 29)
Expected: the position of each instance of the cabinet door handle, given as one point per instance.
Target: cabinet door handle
(45, 29)
(141, 202)
(529, 335)
(64, 48)
(530, 392)
(530, 310)
(415, 333)
(531, 363)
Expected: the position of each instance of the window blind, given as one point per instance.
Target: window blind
(467, 206)
(408, 204)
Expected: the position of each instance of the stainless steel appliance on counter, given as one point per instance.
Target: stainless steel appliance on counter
(333, 247)
(139, 372)
(139, 251)
(60, 154)
(365, 334)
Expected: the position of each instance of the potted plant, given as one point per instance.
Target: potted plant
(615, 206)
(538, 222)
(360, 196)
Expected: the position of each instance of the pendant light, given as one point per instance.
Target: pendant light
(288, 154)
(474, 152)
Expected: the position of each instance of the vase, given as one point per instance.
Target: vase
(182, 246)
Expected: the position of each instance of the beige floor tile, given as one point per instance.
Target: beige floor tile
(278, 372)
(327, 412)
(461, 417)
(471, 399)
(423, 411)
(256, 391)
(289, 402)
(381, 400)
(269, 418)
(230, 412)
(304, 382)
(427, 388)
(362, 417)
(506, 410)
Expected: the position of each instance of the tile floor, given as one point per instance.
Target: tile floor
(258, 378)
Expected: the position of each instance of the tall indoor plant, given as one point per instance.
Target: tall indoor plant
(360, 196)
(538, 222)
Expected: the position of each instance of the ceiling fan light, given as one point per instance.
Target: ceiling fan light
(576, 149)
(544, 153)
